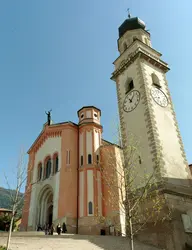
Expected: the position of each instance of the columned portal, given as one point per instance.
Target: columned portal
(45, 206)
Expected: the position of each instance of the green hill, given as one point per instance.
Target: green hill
(5, 199)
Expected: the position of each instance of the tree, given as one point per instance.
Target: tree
(17, 197)
(5, 201)
(5, 221)
(132, 195)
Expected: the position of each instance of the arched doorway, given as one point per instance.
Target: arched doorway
(50, 215)
(45, 206)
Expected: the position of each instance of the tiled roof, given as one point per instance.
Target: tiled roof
(5, 210)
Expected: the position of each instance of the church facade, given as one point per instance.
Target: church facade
(64, 175)
(65, 179)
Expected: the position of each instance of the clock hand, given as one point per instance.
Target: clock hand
(132, 98)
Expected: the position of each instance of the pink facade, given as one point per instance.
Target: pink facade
(64, 176)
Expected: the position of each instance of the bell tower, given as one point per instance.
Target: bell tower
(145, 105)
(146, 111)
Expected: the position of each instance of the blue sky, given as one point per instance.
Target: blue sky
(58, 54)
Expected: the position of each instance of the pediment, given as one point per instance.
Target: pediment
(43, 136)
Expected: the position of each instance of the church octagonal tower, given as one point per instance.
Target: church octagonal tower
(146, 111)
(90, 198)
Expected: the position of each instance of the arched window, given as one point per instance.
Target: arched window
(81, 160)
(68, 157)
(90, 205)
(129, 85)
(89, 159)
(55, 163)
(155, 80)
(97, 159)
(39, 172)
(48, 168)
(124, 46)
(140, 159)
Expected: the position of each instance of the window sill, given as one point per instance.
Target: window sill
(157, 85)
(67, 169)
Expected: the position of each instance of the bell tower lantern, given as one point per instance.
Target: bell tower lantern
(132, 29)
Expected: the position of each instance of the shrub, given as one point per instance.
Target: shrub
(2, 248)
(5, 221)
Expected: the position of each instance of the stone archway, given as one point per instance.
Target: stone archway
(45, 206)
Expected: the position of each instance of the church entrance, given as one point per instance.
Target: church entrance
(50, 215)
(45, 207)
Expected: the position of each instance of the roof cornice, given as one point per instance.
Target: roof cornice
(53, 130)
(139, 53)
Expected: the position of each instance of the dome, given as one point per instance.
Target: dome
(131, 24)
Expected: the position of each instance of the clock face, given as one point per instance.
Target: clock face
(131, 101)
(159, 97)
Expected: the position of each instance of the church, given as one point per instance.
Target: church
(65, 181)
(65, 175)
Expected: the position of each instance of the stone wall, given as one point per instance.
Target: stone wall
(169, 234)
(90, 226)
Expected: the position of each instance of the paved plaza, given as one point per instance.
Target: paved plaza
(70, 242)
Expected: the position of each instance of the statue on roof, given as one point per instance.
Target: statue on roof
(48, 117)
(129, 14)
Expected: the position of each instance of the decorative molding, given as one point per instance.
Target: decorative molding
(91, 126)
(151, 124)
(121, 114)
(139, 53)
(81, 131)
(51, 131)
(176, 124)
(55, 154)
(45, 136)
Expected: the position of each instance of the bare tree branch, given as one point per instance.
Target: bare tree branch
(132, 192)
(21, 177)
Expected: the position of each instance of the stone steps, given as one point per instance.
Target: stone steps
(38, 241)
(24, 234)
